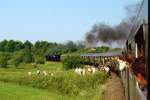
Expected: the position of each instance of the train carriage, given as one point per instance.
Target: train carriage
(135, 49)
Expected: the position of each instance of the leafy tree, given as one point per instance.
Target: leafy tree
(18, 46)
(4, 60)
(9, 47)
(17, 61)
(62, 48)
(71, 47)
(28, 57)
(18, 58)
(80, 46)
(28, 45)
(37, 44)
(2, 45)
(72, 62)
(53, 51)
(39, 60)
(42, 46)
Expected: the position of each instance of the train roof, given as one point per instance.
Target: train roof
(106, 54)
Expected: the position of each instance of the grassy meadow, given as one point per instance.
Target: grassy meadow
(16, 84)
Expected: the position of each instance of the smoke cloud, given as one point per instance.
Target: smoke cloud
(105, 33)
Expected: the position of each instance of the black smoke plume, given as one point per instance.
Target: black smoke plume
(108, 34)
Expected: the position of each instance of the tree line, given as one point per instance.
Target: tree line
(16, 52)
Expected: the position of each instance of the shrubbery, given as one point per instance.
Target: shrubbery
(28, 58)
(67, 82)
(72, 62)
(3, 62)
(17, 58)
(39, 60)
(17, 61)
(4, 57)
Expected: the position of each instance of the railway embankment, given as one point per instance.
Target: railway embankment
(114, 89)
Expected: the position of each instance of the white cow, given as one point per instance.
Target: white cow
(83, 71)
(80, 71)
(38, 72)
(122, 64)
(107, 69)
(76, 70)
(29, 73)
(52, 74)
(44, 73)
(89, 70)
(93, 70)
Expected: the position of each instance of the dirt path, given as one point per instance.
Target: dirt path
(114, 89)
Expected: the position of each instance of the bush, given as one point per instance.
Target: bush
(66, 82)
(3, 61)
(28, 58)
(72, 62)
(39, 60)
(17, 59)
(4, 57)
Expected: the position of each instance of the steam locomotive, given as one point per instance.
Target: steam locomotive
(53, 57)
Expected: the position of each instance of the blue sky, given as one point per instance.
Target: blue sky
(57, 20)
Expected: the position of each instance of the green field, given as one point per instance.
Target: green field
(16, 84)
(10, 91)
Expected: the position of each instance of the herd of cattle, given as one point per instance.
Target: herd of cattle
(92, 70)
(38, 72)
(89, 69)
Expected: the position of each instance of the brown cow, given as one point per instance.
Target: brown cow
(139, 69)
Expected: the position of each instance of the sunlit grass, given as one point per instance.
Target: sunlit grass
(10, 91)
(64, 85)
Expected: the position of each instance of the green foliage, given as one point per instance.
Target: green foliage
(2, 45)
(67, 83)
(4, 60)
(71, 47)
(11, 46)
(17, 59)
(18, 46)
(102, 49)
(28, 45)
(72, 62)
(10, 91)
(28, 57)
(36, 52)
(39, 60)
(41, 44)
(40, 48)
(54, 51)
